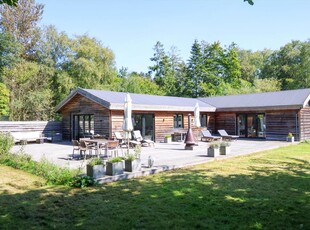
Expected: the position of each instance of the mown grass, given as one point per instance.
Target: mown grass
(267, 190)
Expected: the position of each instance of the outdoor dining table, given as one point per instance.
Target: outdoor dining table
(97, 142)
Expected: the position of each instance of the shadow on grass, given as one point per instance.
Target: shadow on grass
(181, 199)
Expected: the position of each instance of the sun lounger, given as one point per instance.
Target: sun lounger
(226, 136)
(207, 136)
(138, 137)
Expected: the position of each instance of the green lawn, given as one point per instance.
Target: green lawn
(267, 190)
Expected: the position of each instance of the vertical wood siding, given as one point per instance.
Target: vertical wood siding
(79, 105)
(225, 121)
(280, 123)
(304, 122)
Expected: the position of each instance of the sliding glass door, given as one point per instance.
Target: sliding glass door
(144, 123)
(83, 126)
(251, 125)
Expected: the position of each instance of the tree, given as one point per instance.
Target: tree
(4, 100)
(9, 51)
(290, 65)
(91, 65)
(195, 71)
(252, 63)
(21, 22)
(30, 94)
(9, 2)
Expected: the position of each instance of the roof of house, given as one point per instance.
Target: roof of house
(289, 99)
(115, 101)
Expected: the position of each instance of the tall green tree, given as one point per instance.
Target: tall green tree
(4, 100)
(10, 51)
(91, 65)
(290, 65)
(54, 50)
(30, 95)
(22, 23)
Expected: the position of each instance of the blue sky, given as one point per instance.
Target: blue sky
(131, 28)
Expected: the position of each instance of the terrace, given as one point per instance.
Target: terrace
(167, 156)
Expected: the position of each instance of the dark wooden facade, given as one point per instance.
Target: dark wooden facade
(81, 105)
(278, 122)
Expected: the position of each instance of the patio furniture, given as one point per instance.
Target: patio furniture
(226, 136)
(96, 144)
(207, 136)
(120, 138)
(111, 146)
(84, 147)
(76, 147)
(138, 137)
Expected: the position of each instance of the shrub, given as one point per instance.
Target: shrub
(225, 144)
(115, 160)
(49, 171)
(6, 142)
(95, 161)
(290, 134)
(82, 182)
(131, 157)
(214, 145)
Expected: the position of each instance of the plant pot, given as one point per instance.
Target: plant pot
(213, 152)
(167, 140)
(95, 171)
(224, 150)
(114, 168)
(133, 166)
(290, 139)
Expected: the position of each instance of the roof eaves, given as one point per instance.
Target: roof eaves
(258, 108)
(85, 94)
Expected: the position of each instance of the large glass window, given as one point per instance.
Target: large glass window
(178, 121)
(203, 120)
(251, 125)
(83, 126)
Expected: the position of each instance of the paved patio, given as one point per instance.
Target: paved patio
(167, 156)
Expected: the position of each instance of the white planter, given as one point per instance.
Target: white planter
(213, 152)
(133, 166)
(95, 171)
(290, 139)
(167, 139)
(225, 150)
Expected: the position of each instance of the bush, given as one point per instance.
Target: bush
(6, 142)
(95, 161)
(115, 160)
(82, 181)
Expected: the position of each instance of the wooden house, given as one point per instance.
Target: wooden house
(269, 115)
(87, 112)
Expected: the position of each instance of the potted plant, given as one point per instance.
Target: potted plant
(132, 163)
(115, 166)
(213, 149)
(290, 137)
(224, 148)
(95, 168)
(168, 138)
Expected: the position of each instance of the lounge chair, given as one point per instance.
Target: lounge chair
(138, 137)
(226, 136)
(207, 136)
(123, 142)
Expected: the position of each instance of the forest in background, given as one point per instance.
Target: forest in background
(39, 66)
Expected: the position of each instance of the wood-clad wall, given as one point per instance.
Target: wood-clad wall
(280, 123)
(79, 105)
(225, 120)
(163, 123)
(304, 122)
